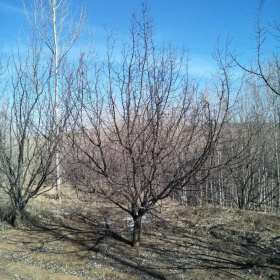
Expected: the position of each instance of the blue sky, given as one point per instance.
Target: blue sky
(195, 25)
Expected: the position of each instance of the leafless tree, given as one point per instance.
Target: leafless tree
(53, 26)
(28, 132)
(247, 153)
(242, 172)
(145, 131)
(265, 68)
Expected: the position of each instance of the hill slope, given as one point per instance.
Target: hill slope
(181, 243)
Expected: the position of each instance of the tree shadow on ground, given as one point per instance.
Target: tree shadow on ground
(169, 250)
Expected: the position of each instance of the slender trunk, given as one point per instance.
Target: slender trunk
(206, 193)
(276, 148)
(212, 194)
(220, 182)
(201, 196)
(56, 102)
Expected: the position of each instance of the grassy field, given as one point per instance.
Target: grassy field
(67, 242)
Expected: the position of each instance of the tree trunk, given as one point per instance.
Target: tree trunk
(136, 233)
(56, 57)
(15, 214)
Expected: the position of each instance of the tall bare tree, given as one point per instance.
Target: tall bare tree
(146, 131)
(53, 26)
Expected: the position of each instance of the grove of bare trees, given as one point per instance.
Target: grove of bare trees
(133, 127)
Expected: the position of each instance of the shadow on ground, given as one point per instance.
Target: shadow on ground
(169, 250)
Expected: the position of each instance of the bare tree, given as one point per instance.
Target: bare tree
(52, 25)
(28, 133)
(149, 132)
(247, 153)
(266, 69)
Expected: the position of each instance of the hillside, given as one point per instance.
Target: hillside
(68, 243)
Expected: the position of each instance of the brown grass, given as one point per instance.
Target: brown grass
(183, 243)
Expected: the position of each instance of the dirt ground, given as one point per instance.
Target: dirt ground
(68, 241)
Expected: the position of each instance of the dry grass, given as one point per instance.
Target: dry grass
(183, 243)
